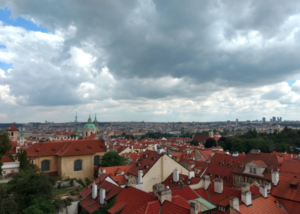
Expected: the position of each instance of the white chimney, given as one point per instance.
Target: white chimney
(94, 190)
(246, 194)
(234, 205)
(194, 207)
(102, 196)
(140, 176)
(218, 185)
(263, 189)
(206, 179)
(122, 172)
(191, 174)
(103, 171)
(131, 147)
(175, 175)
(268, 186)
(155, 147)
(275, 177)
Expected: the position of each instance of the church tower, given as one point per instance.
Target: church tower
(89, 128)
(211, 133)
(13, 133)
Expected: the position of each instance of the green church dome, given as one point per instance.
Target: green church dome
(89, 126)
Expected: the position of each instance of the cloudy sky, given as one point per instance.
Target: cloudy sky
(149, 60)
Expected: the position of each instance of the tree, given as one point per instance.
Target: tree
(238, 145)
(194, 143)
(104, 209)
(113, 159)
(210, 142)
(5, 145)
(23, 159)
(7, 204)
(61, 204)
(39, 205)
(28, 185)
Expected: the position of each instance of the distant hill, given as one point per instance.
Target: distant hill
(4, 126)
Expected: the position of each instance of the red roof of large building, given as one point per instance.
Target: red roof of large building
(290, 168)
(6, 159)
(184, 181)
(200, 137)
(284, 188)
(67, 148)
(187, 193)
(169, 207)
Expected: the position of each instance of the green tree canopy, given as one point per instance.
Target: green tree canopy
(7, 204)
(28, 185)
(238, 145)
(210, 142)
(113, 159)
(5, 145)
(194, 143)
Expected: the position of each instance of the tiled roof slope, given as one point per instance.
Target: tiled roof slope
(200, 137)
(183, 178)
(262, 206)
(290, 168)
(115, 170)
(283, 189)
(171, 208)
(91, 204)
(134, 199)
(68, 148)
(187, 193)
(273, 163)
(6, 159)
(222, 165)
(12, 128)
(145, 162)
(290, 206)
(88, 189)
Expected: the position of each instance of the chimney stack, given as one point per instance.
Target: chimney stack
(102, 196)
(195, 207)
(218, 185)
(165, 194)
(234, 205)
(94, 190)
(275, 178)
(268, 186)
(103, 171)
(246, 194)
(191, 174)
(157, 188)
(263, 189)
(175, 175)
(206, 179)
(140, 176)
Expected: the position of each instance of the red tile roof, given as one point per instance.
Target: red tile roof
(134, 199)
(13, 147)
(187, 193)
(290, 206)
(111, 191)
(152, 207)
(183, 179)
(221, 165)
(260, 163)
(12, 128)
(88, 189)
(67, 148)
(284, 191)
(116, 170)
(272, 162)
(117, 207)
(177, 199)
(171, 208)
(145, 162)
(91, 137)
(120, 179)
(290, 168)
(6, 159)
(262, 205)
(200, 137)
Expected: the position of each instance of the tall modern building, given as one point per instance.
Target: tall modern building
(274, 119)
(263, 119)
(76, 118)
(236, 121)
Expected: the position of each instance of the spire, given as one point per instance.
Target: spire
(89, 120)
(22, 136)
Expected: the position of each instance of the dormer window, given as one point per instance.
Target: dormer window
(252, 170)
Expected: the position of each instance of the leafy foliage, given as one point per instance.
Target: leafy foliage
(156, 135)
(285, 141)
(194, 143)
(7, 204)
(28, 185)
(39, 205)
(5, 145)
(103, 210)
(210, 142)
(87, 181)
(22, 155)
(113, 159)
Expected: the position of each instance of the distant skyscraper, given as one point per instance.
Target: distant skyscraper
(280, 119)
(263, 119)
(76, 118)
(236, 121)
(274, 119)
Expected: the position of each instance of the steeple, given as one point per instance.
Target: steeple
(76, 118)
(22, 135)
(90, 120)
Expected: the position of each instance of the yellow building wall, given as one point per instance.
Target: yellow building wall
(53, 162)
(127, 150)
(160, 171)
(67, 167)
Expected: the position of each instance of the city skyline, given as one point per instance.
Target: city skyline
(154, 61)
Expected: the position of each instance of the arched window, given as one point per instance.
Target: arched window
(78, 165)
(12, 134)
(45, 165)
(96, 160)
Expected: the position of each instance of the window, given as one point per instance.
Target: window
(12, 134)
(96, 160)
(254, 170)
(237, 179)
(78, 165)
(251, 170)
(45, 165)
